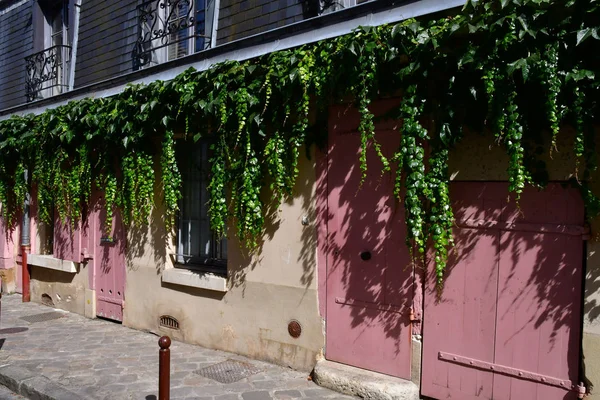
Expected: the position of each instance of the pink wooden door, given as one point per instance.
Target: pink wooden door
(109, 262)
(507, 324)
(369, 273)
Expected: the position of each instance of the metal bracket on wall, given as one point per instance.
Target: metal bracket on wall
(85, 255)
(414, 318)
(514, 372)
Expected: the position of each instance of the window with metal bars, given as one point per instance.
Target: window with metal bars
(48, 70)
(171, 29)
(197, 245)
(328, 6)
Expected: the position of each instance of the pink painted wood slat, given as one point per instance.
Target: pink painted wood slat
(462, 320)
(67, 240)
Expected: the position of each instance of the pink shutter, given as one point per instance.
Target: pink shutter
(68, 240)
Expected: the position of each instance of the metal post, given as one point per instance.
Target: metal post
(25, 244)
(164, 368)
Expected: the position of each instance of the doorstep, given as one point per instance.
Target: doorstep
(362, 383)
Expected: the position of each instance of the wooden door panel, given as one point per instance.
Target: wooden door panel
(538, 319)
(462, 319)
(369, 272)
(109, 262)
(532, 304)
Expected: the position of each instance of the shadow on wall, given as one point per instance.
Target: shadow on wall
(591, 305)
(521, 267)
(367, 258)
(241, 260)
(51, 276)
(151, 243)
(153, 238)
(534, 279)
(591, 308)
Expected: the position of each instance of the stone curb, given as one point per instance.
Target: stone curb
(26, 383)
(365, 384)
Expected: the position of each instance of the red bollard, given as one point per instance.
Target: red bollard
(164, 368)
(25, 275)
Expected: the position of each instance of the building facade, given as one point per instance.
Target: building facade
(328, 281)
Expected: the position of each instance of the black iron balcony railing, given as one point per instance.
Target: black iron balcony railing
(169, 29)
(47, 72)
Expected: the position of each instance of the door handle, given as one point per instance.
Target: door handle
(365, 255)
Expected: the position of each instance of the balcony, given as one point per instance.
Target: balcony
(47, 72)
(170, 29)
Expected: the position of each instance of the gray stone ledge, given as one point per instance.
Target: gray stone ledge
(362, 383)
(47, 261)
(196, 279)
(36, 387)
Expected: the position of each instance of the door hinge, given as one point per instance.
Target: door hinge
(514, 372)
(581, 390)
(414, 318)
(85, 255)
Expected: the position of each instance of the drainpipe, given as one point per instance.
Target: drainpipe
(25, 244)
(214, 24)
(75, 41)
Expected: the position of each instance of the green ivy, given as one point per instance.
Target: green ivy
(511, 69)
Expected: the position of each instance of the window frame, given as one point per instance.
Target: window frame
(153, 49)
(329, 6)
(45, 59)
(206, 263)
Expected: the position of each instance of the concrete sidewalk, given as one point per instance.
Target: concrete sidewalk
(72, 357)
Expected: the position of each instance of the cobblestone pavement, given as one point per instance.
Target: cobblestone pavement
(6, 394)
(103, 360)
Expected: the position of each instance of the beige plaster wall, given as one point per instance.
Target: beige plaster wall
(591, 353)
(265, 290)
(478, 158)
(67, 290)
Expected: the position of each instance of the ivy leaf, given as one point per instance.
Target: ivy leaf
(251, 68)
(525, 30)
(125, 141)
(519, 64)
(473, 28)
(165, 120)
(583, 34)
(351, 48)
(580, 74)
(423, 37)
(525, 71)
(414, 26)
(466, 58)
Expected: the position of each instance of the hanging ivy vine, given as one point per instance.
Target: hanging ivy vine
(485, 68)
